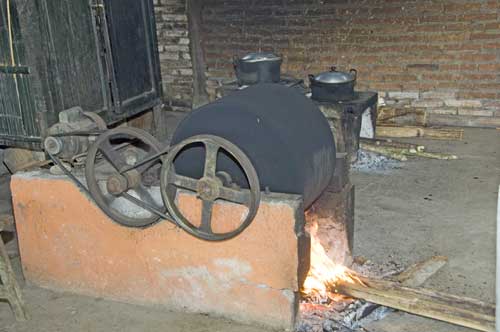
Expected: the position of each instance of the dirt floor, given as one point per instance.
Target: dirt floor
(433, 207)
(424, 208)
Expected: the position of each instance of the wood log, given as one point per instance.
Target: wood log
(453, 309)
(385, 130)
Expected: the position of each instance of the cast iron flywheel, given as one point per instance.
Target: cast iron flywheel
(212, 187)
(118, 180)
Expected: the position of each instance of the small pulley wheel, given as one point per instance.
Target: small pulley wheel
(209, 188)
(124, 192)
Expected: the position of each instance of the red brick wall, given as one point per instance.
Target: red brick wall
(175, 59)
(441, 55)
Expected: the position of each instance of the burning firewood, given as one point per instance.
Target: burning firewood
(424, 302)
(326, 278)
(414, 276)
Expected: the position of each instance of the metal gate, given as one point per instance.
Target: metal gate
(132, 38)
(100, 55)
(17, 119)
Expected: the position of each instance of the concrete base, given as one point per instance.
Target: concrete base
(68, 244)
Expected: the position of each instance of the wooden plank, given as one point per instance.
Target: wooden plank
(414, 276)
(415, 131)
(424, 302)
(417, 274)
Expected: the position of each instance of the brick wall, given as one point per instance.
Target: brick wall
(175, 59)
(440, 55)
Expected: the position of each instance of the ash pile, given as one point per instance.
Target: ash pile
(372, 162)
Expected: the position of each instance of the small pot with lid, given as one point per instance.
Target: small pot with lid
(333, 85)
(258, 67)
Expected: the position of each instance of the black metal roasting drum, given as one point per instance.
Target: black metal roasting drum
(284, 134)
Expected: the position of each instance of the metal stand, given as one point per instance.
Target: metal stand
(9, 289)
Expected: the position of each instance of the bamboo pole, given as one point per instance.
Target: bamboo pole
(423, 302)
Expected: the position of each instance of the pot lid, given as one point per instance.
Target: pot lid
(334, 76)
(260, 56)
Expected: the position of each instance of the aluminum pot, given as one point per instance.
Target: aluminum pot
(333, 85)
(258, 67)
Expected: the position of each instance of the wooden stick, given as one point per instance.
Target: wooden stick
(424, 302)
(392, 144)
(9, 287)
(433, 155)
(392, 153)
(401, 153)
(414, 131)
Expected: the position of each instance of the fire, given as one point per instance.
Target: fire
(324, 274)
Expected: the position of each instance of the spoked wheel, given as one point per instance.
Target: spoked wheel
(211, 187)
(122, 191)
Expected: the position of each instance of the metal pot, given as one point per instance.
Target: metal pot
(257, 67)
(333, 85)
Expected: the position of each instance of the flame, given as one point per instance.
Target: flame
(324, 274)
